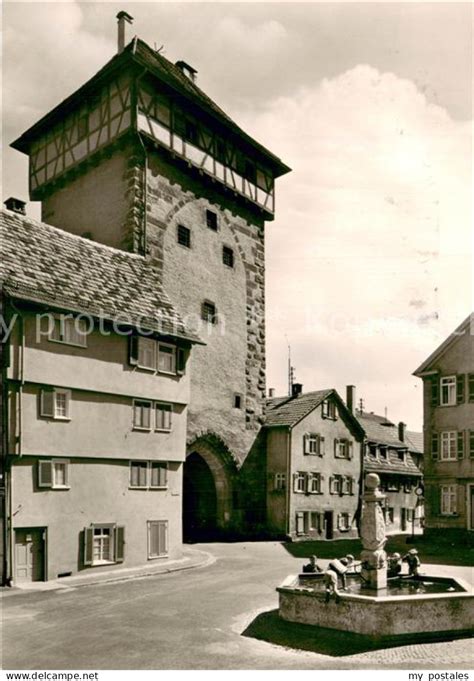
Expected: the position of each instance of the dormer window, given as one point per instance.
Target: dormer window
(383, 452)
(329, 410)
(401, 455)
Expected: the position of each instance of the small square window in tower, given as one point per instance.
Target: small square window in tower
(209, 312)
(211, 220)
(228, 256)
(183, 236)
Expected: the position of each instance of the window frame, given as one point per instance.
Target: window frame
(161, 344)
(453, 438)
(183, 230)
(54, 415)
(67, 321)
(300, 477)
(116, 544)
(228, 254)
(162, 465)
(279, 482)
(451, 495)
(150, 524)
(160, 428)
(344, 526)
(313, 444)
(214, 220)
(145, 429)
(329, 409)
(314, 483)
(151, 342)
(452, 391)
(347, 445)
(52, 473)
(205, 317)
(136, 463)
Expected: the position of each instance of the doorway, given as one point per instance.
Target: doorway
(329, 524)
(29, 555)
(403, 519)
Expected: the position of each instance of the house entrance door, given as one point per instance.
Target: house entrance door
(329, 524)
(403, 519)
(29, 555)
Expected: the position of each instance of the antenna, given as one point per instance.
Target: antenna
(361, 406)
(386, 412)
(291, 373)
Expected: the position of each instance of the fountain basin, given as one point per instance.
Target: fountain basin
(429, 604)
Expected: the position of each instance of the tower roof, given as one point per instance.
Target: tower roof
(137, 53)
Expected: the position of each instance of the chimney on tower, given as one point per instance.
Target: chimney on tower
(123, 18)
(296, 389)
(271, 392)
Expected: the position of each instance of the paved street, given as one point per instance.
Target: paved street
(186, 620)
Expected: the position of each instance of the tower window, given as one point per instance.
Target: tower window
(228, 256)
(209, 312)
(184, 236)
(211, 220)
(237, 401)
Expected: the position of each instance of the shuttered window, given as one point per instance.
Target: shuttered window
(163, 414)
(141, 415)
(69, 330)
(158, 474)
(471, 387)
(139, 474)
(55, 403)
(448, 499)
(448, 445)
(166, 358)
(157, 538)
(448, 391)
(146, 353)
(53, 474)
(313, 444)
(471, 444)
(103, 544)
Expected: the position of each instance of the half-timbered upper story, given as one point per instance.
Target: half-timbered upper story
(140, 91)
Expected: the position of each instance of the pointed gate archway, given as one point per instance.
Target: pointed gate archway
(208, 482)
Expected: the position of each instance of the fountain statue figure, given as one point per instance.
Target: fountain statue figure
(372, 531)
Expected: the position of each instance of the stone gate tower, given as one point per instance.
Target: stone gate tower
(140, 158)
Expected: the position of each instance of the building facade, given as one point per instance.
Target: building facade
(95, 391)
(314, 466)
(448, 413)
(396, 455)
(166, 174)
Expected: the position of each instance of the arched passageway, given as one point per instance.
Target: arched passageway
(207, 491)
(199, 500)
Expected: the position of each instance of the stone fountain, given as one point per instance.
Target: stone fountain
(372, 605)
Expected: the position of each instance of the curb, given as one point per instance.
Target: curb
(206, 559)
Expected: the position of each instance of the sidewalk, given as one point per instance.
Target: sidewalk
(192, 558)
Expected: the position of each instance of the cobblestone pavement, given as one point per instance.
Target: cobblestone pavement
(188, 620)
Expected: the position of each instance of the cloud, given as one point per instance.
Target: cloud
(375, 216)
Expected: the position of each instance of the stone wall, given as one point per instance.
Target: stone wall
(233, 360)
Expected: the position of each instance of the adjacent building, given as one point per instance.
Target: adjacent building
(95, 387)
(313, 465)
(448, 412)
(142, 160)
(396, 455)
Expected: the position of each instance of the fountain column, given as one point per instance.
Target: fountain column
(372, 531)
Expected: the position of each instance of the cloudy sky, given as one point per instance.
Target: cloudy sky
(369, 261)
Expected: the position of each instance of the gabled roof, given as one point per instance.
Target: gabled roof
(289, 411)
(392, 464)
(43, 264)
(380, 430)
(139, 53)
(461, 330)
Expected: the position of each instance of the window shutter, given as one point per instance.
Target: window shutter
(434, 392)
(47, 402)
(119, 544)
(331, 484)
(295, 482)
(339, 521)
(350, 450)
(133, 350)
(336, 443)
(460, 388)
(307, 482)
(45, 474)
(434, 446)
(180, 361)
(471, 444)
(461, 444)
(321, 445)
(163, 538)
(299, 523)
(471, 387)
(305, 444)
(88, 545)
